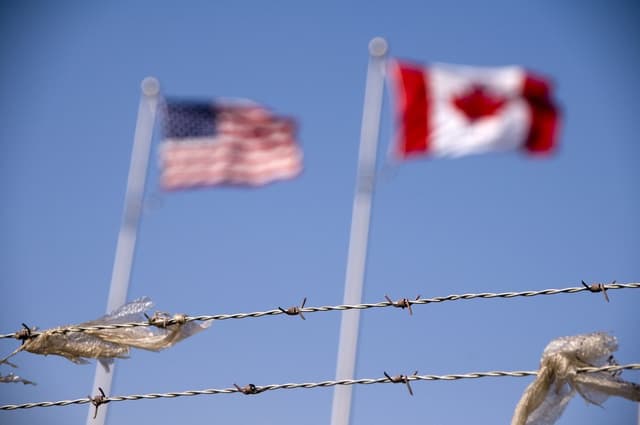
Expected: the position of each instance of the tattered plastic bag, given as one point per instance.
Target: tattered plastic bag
(153, 338)
(75, 346)
(107, 344)
(15, 378)
(545, 399)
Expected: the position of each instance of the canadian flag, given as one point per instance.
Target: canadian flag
(454, 110)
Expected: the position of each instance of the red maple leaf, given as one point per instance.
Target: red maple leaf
(476, 103)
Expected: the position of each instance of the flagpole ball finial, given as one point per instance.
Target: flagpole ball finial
(378, 46)
(150, 86)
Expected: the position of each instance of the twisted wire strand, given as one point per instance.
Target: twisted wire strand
(309, 385)
(342, 307)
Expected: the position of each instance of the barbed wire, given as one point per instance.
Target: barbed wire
(252, 389)
(299, 310)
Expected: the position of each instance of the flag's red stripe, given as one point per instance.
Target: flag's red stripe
(544, 115)
(412, 110)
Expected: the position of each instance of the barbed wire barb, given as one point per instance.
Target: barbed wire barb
(598, 287)
(24, 334)
(295, 310)
(402, 303)
(249, 389)
(98, 400)
(404, 379)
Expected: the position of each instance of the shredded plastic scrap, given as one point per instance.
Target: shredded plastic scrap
(107, 344)
(15, 378)
(153, 338)
(545, 399)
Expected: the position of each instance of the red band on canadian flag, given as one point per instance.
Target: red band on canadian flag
(544, 115)
(453, 110)
(412, 111)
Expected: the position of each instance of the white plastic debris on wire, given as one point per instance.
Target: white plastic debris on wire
(15, 378)
(153, 338)
(107, 344)
(545, 399)
(75, 346)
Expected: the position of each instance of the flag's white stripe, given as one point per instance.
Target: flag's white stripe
(242, 127)
(220, 139)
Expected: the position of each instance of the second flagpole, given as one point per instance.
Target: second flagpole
(360, 223)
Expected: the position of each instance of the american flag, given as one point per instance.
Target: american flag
(208, 144)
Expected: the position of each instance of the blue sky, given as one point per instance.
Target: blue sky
(70, 80)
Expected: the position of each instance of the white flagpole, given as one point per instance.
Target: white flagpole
(360, 219)
(125, 249)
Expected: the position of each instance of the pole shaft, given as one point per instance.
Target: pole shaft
(126, 245)
(360, 221)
